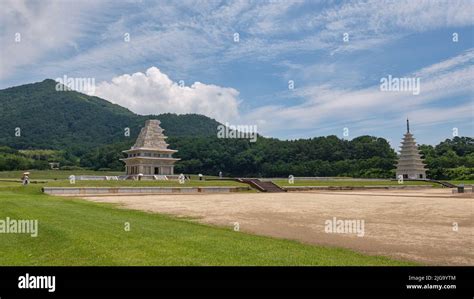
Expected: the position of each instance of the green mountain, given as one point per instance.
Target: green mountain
(47, 119)
(88, 132)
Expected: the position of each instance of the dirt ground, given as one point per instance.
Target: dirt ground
(416, 225)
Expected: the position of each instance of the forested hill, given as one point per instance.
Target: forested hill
(82, 131)
(70, 120)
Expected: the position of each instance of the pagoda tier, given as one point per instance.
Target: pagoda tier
(410, 164)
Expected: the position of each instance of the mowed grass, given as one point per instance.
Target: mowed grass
(63, 175)
(9, 184)
(465, 182)
(77, 232)
(60, 178)
(54, 174)
(144, 183)
(350, 183)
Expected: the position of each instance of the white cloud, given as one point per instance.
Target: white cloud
(372, 23)
(184, 36)
(43, 27)
(154, 92)
(448, 64)
(327, 106)
(379, 16)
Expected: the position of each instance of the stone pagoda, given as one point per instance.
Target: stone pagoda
(410, 165)
(150, 155)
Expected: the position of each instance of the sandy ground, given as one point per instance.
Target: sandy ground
(416, 225)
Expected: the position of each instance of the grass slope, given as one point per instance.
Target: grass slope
(131, 183)
(348, 183)
(54, 174)
(76, 232)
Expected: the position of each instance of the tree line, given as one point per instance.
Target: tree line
(364, 157)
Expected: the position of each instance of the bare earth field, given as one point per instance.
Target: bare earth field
(414, 225)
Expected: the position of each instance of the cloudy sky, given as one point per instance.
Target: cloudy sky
(296, 69)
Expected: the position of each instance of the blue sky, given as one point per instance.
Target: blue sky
(336, 81)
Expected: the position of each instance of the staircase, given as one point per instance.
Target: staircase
(445, 184)
(261, 185)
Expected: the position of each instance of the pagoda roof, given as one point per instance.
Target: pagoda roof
(149, 149)
(151, 137)
(150, 158)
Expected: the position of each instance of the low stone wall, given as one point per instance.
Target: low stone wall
(138, 190)
(309, 188)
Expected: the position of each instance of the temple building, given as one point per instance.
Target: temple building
(150, 155)
(410, 164)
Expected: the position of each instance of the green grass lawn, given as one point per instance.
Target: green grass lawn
(348, 183)
(465, 182)
(59, 178)
(53, 174)
(131, 183)
(77, 232)
(64, 174)
(9, 184)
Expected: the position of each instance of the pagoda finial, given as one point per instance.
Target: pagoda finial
(408, 126)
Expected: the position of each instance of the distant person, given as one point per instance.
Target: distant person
(25, 178)
(220, 174)
(181, 178)
(200, 176)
